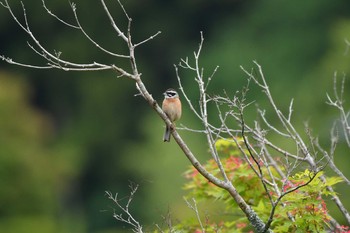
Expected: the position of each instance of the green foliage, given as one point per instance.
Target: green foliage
(305, 204)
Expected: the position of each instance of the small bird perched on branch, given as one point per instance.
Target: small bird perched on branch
(172, 108)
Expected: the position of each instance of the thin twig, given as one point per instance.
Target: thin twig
(195, 209)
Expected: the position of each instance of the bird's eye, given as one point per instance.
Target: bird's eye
(171, 94)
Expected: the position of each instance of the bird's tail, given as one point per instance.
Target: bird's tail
(166, 137)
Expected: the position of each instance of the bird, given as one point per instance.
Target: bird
(172, 108)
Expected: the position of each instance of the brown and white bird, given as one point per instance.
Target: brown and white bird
(172, 108)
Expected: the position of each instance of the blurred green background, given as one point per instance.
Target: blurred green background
(67, 137)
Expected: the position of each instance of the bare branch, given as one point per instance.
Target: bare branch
(126, 14)
(270, 126)
(195, 209)
(185, 95)
(250, 151)
(212, 133)
(148, 39)
(58, 18)
(114, 25)
(129, 219)
(211, 77)
(91, 40)
(290, 110)
(347, 46)
(295, 136)
(10, 61)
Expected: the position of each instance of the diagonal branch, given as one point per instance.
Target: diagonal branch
(114, 25)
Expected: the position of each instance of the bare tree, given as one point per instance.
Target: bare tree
(258, 149)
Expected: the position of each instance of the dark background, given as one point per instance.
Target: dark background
(67, 137)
